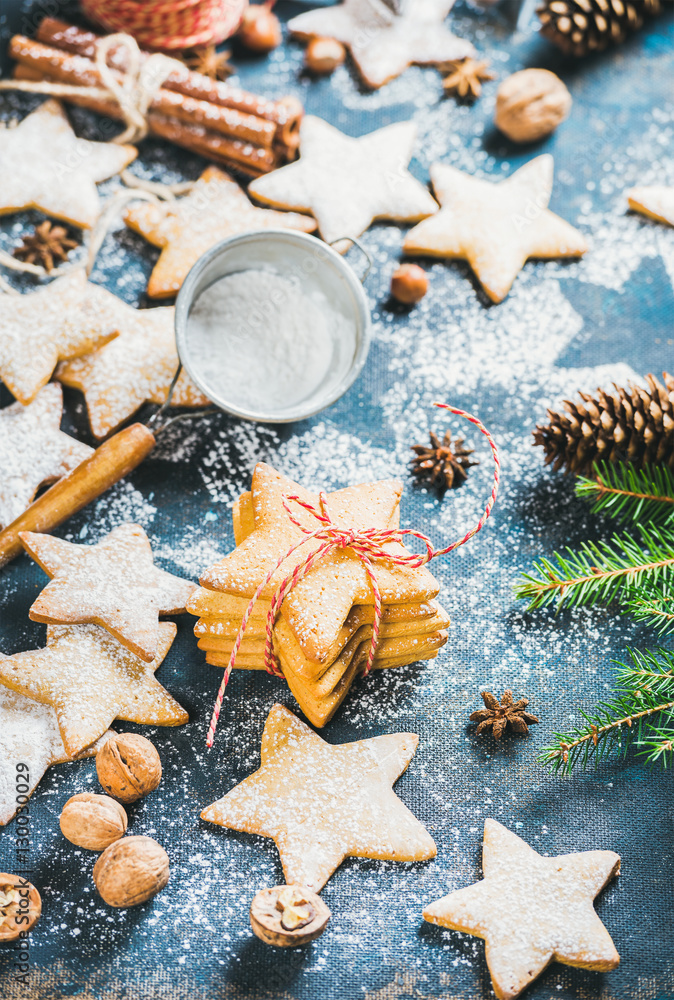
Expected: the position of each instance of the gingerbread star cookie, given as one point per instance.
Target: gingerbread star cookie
(347, 183)
(113, 583)
(90, 679)
(136, 368)
(33, 450)
(186, 228)
(655, 202)
(495, 227)
(324, 803)
(532, 910)
(39, 329)
(318, 605)
(44, 165)
(382, 42)
(30, 743)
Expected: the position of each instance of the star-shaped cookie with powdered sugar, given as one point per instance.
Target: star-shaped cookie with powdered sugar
(318, 604)
(90, 679)
(44, 165)
(384, 42)
(186, 228)
(655, 202)
(39, 329)
(532, 910)
(113, 583)
(324, 803)
(495, 227)
(30, 742)
(33, 450)
(136, 368)
(347, 183)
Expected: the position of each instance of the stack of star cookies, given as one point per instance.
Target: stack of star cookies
(322, 636)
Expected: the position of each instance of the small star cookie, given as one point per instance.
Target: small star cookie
(348, 183)
(655, 202)
(384, 43)
(41, 328)
(136, 368)
(44, 165)
(30, 742)
(186, 228)
(322, 803)
(33, 450)
(114, 584)
(532, 910)
(495, 227)
(90, 679)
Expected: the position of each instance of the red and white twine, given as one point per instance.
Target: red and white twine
(367, 544)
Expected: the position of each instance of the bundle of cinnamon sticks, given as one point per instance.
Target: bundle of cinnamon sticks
(214, 119)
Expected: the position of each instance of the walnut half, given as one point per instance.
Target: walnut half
(20, 906)
(288, 915)
(531, 104)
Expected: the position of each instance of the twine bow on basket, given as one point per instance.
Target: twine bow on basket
(368, 544)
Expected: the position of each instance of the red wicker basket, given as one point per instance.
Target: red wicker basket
(168, 24)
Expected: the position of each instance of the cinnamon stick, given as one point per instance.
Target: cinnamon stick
(249, 159)
(79, 70)
(285, 113)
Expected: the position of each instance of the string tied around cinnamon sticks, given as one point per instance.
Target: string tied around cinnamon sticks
(368, 544)
(133, 92)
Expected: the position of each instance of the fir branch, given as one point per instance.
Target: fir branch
(653, 604)
(600, 571)
(642, 713)
(635, 495)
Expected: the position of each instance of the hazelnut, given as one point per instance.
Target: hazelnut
(131, 871)
(409, 284)
(531, 104)
(92, 821)
(288, 915)
(20, 906)
(128, 767)
(324, 55)
(260, 29)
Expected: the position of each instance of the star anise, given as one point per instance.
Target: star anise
(444, 463)
(497, 716)
(209, 62)
(465, 77)
(48, 245)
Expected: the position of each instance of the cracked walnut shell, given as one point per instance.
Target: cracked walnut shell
(288, 915)
(128, 767)
(92, 821)
(131, 871)
(20, 906)
(531, 104)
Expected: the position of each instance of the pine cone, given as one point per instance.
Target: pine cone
(630, 425)
(578, 27)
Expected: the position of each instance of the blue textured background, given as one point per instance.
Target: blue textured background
(564, 327)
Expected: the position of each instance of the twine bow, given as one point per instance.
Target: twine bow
(368, 544)
(134, 93)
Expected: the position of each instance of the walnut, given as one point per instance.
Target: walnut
(288, 915)
(20, 906)
(531, 104)
(92, 821)
(131, 871)
(128, 767)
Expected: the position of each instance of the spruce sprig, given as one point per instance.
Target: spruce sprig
(641, 713)
(636, 495)
(653, 604)
(601, 571)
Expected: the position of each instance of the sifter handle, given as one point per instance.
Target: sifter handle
(111, 461)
